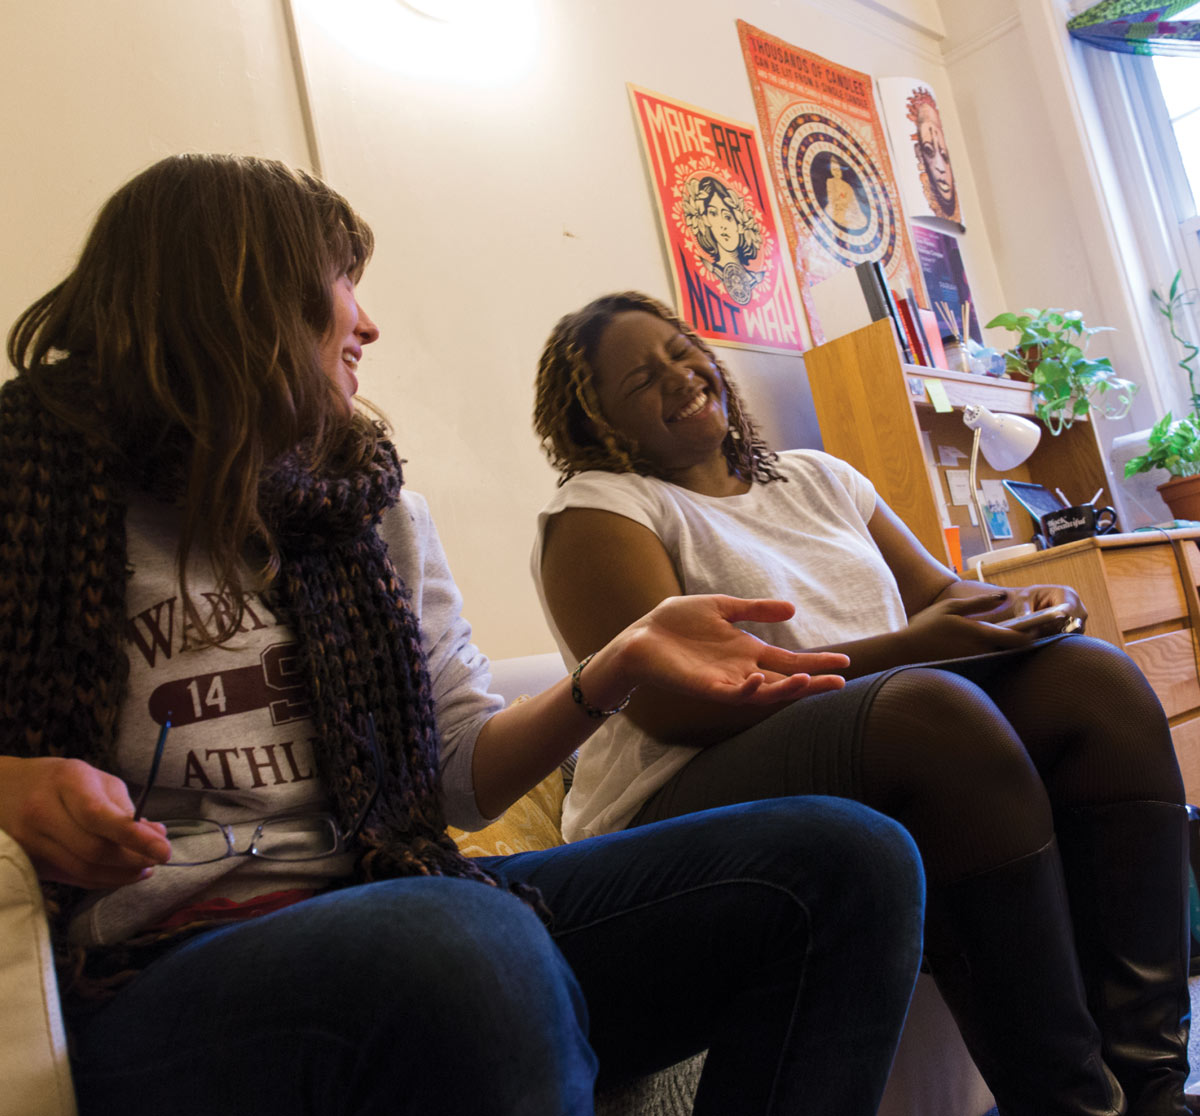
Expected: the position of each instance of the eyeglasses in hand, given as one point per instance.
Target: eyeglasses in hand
(291, 837)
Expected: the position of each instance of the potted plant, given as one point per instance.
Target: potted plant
(1174, 444)
(1051, 352)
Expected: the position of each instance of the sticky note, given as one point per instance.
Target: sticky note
(937, 395)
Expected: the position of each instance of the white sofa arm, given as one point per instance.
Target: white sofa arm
(34, 1069)
(525, 674)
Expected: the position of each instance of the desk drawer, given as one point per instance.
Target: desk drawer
(1143, 585)
(1169, 663)
(1191, 558)
(1185, 736)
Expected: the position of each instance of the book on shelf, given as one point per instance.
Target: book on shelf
(931, 331)
(881, 303)
(908, 314)
(946, 281)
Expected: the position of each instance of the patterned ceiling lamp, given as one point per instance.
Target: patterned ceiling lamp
(1134, 27)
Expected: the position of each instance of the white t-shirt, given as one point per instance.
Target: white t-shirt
(803, 540)
(240, 746)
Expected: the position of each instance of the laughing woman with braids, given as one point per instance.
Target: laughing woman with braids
(1024, 773)
(215, 596)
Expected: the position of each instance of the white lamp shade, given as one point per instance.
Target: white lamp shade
(1004, 440)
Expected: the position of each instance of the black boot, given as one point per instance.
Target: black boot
(1000, 947)
(1126, 866)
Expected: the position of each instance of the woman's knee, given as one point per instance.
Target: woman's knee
(1094, 723)
(934, 730)
(1092, 681)
(443, 945)
(832, 853)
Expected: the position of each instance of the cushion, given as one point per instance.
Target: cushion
(33, 1050)
(531, 823)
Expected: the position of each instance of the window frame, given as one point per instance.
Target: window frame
(1152, 190)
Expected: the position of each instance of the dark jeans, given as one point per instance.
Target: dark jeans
(782, 936)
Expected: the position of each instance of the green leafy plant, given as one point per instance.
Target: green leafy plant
(1174, 444)
(1051, 352)
(1169, 307)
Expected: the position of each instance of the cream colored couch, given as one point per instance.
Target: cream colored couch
(932, 1076)
(34, 1077)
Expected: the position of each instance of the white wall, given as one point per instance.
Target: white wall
(500, 208)
(499, 202)
(94, 92)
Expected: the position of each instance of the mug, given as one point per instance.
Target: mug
(1081, 521)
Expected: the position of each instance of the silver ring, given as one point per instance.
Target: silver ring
(1073, 625)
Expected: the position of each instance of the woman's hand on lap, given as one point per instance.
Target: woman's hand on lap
(75, 823)
(1023, 599)
(955, 626)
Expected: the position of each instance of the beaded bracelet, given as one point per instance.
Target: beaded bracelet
(582, 702)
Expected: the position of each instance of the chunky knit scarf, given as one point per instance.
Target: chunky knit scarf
(63, 664)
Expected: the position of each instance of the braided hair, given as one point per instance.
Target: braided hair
(568, 418)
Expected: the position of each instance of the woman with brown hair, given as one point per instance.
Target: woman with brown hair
(1026, 771)
(214, 594)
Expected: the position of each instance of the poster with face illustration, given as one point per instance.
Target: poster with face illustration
(924, 171)
(827, 152)
(728, 263)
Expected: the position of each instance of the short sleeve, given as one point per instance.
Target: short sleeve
(624, 494)
(860, 490)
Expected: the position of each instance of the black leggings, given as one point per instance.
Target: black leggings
(973, 756)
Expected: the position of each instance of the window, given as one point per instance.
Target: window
(1148, 111)
(1177, 78)
(1179, 86)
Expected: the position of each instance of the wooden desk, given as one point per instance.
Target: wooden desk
(1140, 591)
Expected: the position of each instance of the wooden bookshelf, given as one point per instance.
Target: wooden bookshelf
(875, 412)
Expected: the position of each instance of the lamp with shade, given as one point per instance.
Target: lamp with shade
(1005, 441)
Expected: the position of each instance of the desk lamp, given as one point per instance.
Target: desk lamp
(1005, 441)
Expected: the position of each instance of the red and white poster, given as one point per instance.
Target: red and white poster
(827, 152)
(728, 263)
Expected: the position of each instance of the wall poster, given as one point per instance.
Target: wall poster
(946, 282)
(827, 152)
(728, 263)
(923, 168)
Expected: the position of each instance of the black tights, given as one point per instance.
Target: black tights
(972, 757)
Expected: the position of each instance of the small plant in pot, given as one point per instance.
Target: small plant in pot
(1051, 352)
(1174, 444)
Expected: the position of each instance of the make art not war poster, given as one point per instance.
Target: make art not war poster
(731, 275)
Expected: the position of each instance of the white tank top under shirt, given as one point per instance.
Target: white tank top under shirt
(803, 540)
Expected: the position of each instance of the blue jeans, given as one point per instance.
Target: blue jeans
(783, 936)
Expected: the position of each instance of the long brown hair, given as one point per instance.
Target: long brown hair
(185, 340)
(567, 417)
